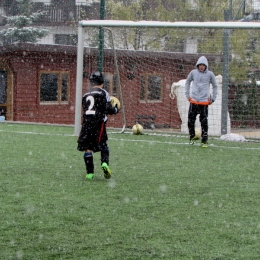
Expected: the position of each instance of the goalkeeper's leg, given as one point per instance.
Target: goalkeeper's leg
(105, 155)
(105, 163)
(88, 159)
(191, 121)
(204, 124)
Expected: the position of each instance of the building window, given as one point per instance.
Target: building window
(110, 83)
(151, 88)
(66, 39)
(3, 87)
(3, 92)
(54, 87)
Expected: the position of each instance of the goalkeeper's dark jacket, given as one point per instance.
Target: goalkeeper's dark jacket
(96, 105)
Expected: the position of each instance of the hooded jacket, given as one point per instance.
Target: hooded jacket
(200, 93)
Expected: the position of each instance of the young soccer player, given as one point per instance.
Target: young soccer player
(200, 98)
(93, 136)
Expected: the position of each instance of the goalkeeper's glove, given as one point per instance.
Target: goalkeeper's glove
(116, 110)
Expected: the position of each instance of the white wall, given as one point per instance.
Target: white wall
(77, 2)
(86, 2)
(192, 3)
(50, 38)
(2, 11)
(191, 45)
(256, 5)
(42, 1)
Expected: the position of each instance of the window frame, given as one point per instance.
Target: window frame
(59, 89)
(112, 87)
(146, 88)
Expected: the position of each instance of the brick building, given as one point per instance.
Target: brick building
(39, 83)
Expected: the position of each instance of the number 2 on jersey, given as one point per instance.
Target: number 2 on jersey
(90, 111)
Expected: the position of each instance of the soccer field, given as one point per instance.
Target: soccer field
(165, 200)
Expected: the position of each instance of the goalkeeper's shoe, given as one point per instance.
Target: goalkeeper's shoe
(204, 145)
(191, 141)
(106, 170)
(90, 176)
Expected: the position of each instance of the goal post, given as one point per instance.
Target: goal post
(79, 80)
(218, 56)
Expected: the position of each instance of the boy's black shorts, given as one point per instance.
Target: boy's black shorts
(93, 136)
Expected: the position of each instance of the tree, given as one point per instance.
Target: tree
(20, 27)
(208, 40)
(164, 10)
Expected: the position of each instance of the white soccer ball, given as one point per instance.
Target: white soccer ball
(137, 129)
(197, 134)
(115, 102)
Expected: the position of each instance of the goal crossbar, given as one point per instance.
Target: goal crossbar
(145, 24)
(153, 24)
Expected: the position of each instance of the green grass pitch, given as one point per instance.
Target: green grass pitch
(165, 200)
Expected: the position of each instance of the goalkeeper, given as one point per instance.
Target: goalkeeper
(200, 98)
(93, 136)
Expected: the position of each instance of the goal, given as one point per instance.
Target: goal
(145, 65)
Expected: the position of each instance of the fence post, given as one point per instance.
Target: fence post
(101, 37)
(225, 79)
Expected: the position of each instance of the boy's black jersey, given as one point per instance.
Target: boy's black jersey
(96, 104)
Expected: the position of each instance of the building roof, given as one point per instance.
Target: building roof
(33, 48)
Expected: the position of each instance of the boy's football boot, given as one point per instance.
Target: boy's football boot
(191, 141)
(90, 176)
(106, 170)
(204, 145)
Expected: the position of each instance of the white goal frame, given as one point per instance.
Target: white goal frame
(147, 24)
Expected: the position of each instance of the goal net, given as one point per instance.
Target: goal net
(146, 64)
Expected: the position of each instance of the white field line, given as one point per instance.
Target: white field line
(140, 140)
(33, 133)
(196, 144)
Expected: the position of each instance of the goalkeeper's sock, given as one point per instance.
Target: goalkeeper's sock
(105, 156)
(88, 159)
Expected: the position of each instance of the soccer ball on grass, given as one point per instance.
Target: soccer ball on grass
(137, 129)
